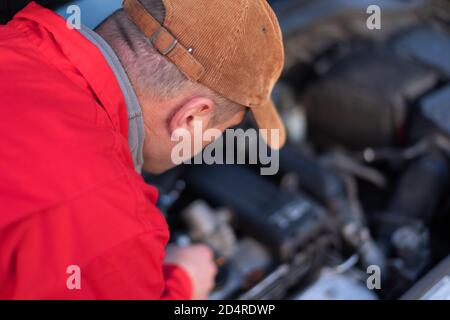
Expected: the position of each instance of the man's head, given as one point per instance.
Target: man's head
(170, 97)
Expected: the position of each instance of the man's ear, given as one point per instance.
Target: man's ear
(196, 109)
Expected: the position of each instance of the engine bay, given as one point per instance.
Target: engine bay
(363, 184)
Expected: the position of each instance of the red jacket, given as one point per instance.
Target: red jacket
(69, 193)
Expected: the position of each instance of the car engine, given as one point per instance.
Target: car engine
(364, 180)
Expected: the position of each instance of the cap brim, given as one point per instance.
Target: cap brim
(268, 118)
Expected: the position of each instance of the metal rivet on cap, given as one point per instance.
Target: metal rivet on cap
(190, 50)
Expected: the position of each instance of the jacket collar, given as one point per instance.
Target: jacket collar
(136, 131)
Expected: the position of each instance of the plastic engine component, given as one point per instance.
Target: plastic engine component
(284, 221)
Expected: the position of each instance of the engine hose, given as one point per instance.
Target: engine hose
(339, 194)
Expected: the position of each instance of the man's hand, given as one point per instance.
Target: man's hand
(197, 261)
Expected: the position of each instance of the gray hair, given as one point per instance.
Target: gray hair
(152, 75)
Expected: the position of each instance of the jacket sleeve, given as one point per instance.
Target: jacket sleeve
(116, 257)
(178, 283)
(135, 270)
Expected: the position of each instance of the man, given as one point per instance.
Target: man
(82, 112)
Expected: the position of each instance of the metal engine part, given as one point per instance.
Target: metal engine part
(211, 227)
(335, 286)
(246, 267)
(433, 286)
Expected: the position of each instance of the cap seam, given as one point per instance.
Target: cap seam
(169, 12)
(232, 33)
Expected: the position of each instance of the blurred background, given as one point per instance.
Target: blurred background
(360, 208)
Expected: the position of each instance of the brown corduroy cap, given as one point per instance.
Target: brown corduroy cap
(233, 47)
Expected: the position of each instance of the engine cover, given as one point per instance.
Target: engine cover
(365, 104)
(282, 220)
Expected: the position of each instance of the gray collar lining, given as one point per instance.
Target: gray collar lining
(136, 130)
